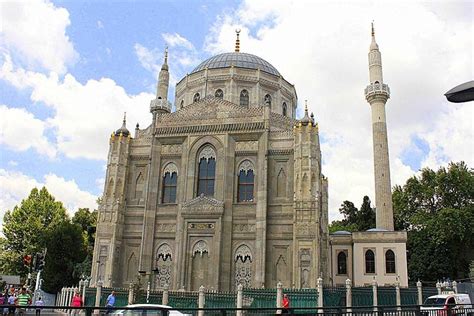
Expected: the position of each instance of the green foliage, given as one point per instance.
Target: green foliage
(66, 247)
(355, 219)
(87, 220)
(437, 210)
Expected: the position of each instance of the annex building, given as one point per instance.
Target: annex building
(228, 189)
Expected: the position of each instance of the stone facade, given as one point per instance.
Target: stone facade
(225, 190)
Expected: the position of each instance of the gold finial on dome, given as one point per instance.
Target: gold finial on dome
(237, 41)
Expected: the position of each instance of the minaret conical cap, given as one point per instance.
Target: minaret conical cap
(373, 44)
(123, 130)
(165, 62)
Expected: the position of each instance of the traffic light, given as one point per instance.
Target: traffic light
(27, 260)
(39, 261)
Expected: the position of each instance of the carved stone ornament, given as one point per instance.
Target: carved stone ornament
(203, 205)
(243, 252)
(201, 248)
(201, 226)
(171, 149)
(170, 167)
(244, 227)
(164, 250)
(207, 153)
(167, 228)
(246, 146)
(246, 165)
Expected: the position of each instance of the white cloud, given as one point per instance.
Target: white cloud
(16, 186)
(149, 59)
(35, 31)
(80, 110)
(176, 40)
(423, 57)
(20, 130)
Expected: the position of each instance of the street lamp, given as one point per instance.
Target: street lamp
(462, 93)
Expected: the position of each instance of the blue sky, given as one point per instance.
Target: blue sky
(69, 69)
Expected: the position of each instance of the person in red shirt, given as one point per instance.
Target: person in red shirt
(76, 302)
(286, 304)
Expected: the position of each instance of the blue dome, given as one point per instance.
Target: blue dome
(235, 59)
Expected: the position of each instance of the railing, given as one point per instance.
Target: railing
(160, 310)
(377, 88)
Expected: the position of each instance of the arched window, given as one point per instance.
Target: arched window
(206, 172)
(284, 109)
(182, 104)
(163, 266)
(246, 182)
(170, 183)
(243, 266)
(244, 98)
(219, 94)
(268, 100)
(196, 97)
(369, 261)
(390, 261)
(342, 263)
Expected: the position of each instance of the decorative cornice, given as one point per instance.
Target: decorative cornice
(277, 152)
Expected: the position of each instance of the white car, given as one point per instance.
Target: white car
(143, 310)
(438, 305)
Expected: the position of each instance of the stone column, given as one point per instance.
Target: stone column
(148, 289)
(438, 287)
(86, 284)
(348, 295)
(398, 295)
(98, 294)
(279, 298)
(374, 293)
(320, 294)
(239, 302)
(420, 292)
(165, 299)
(455, 287)
(81, 284)
(130, 294)
(201, 300)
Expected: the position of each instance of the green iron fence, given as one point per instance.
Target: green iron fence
(183, 300)
(429, 291)
(409, 296)
(155, 297)
(121, 296)
(301, 298)
(90, 296)
(362, 296)
(334, 296)
(386, 296)
(220, 299)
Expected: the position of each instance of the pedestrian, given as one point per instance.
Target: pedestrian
(22, 301)
(110, 302)
(39, 303)
(11, 303)
(286, 304)
(76, 302)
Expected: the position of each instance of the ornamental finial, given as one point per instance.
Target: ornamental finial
(166, 54)
(237, 41)
(373, 30)
(124, 117)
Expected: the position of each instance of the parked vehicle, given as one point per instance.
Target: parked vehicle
(448, 305)
(144, 310)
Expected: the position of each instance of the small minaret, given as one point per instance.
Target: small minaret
(377, 94)
(161, 104)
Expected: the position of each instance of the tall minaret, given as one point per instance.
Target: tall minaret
(377, 94)
(160, 104)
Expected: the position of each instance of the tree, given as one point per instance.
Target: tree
(87, 221)
(366, 216)
(66, 248)
(26, 227)
(437, 210)
(355, 219)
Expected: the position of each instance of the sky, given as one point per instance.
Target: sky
(70, 69)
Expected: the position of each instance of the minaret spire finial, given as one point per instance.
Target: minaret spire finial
(237, 41)
(373, 30)
(306, 107)
(166, 54)
(124, 117)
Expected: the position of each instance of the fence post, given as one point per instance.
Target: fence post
(438, 287)
(420, 292)
(348, 295)
(398, 295)
(68, 297)
(130, 294)
(239, 303)
(455, 287)
(98, 294)
(165, 298)
(279, 298)
(63, 296)
(201, 300)
(86, 284)
(374, 293)
(320, 294)
(148, 289)
(81, 284)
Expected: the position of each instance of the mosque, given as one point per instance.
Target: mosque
(228, 188)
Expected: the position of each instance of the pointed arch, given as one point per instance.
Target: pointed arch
(196, 97)
(206, 171)
(243, 266)
(284, 109)
(267, 100)
(132, 267)
(219, 94)
(390, 262)
(281, 183)
(139, 184)
(163, 266)
(342, 263)
(170, 183)
(244, 98)
(369, 261)
(246, 179)
(110, 188)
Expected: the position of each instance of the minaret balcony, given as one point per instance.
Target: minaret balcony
(160, 104)
(377, 89)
